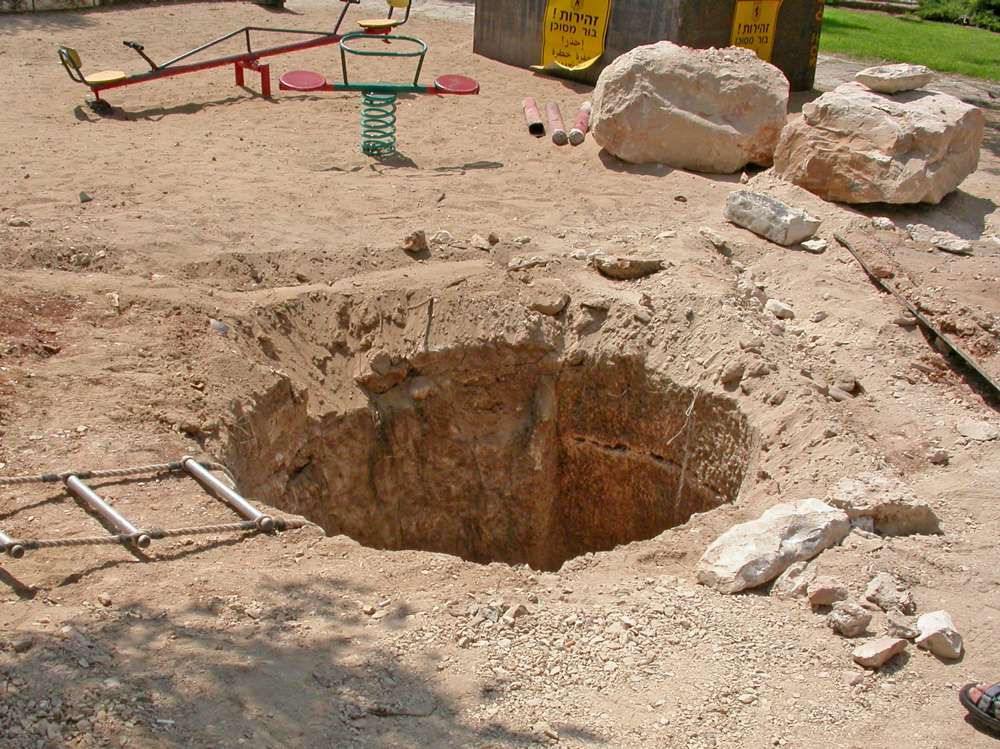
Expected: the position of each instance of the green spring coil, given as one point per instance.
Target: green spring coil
(378, 123)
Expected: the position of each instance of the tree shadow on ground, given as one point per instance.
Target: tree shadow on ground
(281, 664)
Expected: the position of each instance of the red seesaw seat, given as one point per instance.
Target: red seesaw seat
(456, 84)
(302, 80)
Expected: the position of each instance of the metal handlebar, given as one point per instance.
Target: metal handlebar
(139, 49)
(419, 53)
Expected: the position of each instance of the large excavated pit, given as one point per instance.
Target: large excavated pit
(496, 452)
(465, 424)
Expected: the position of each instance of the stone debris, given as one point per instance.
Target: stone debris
(441, 236)
(888, 593)
(480, 242)
(523, 262)
(816, 246)
(18, 222)
(732, 373)
(905, 321)
(623, 268)
(891, 505)
(709, 110)
(892, 79)
(779, 309)
(878, 652)
(938, 635)
(717, 242)
(793, 582)
(855, 146)
(416, 242)
(980, 431)
(943, 240)
(769, 217)
(884, 223)
(826, 591)
(848, 618)
(547, 296)
(898, 624)
(753, 553)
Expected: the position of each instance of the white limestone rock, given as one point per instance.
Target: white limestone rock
(769, 217)
(856, 146)
(848, 619)
(753, 553)
(710, 110)
(891, 505)
(892, 79)
(793, 582)
(938, 634)
(878, 652)
(889, 593)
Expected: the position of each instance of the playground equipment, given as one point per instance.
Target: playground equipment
(378, 100)
(124, 532)
(241, 62)
(385, 25)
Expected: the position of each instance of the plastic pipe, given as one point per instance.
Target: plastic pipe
(579, 132)
(531, 116)
(559, 136)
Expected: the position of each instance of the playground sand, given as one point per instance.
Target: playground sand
(211, 203)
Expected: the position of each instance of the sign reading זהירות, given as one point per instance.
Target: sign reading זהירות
(755, 23)
(574, 32)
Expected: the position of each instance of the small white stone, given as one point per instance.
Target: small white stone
(769, 217)
(779, 309)
(938, 634)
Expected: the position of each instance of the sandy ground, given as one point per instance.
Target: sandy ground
(210, 202)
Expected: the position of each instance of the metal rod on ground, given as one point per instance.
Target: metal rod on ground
(87, 495)
(559, 136)
(531, 116)
(213, 486)
(961, 353)
(579, 132)
(9, 545)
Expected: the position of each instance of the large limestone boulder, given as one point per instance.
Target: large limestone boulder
(857, 146)
(713, 110)
(751, 554)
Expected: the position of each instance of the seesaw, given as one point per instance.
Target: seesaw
(249, 60)
(378, 100)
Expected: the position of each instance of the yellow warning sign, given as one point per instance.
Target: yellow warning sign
(574, 32)
(754, 26)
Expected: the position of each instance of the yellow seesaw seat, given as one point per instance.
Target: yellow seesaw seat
(105, 76)
(70, 59)
(386, 24)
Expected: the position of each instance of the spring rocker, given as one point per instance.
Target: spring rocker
(378, 100)
(104, 80)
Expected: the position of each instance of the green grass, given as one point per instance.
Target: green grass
(941, 46)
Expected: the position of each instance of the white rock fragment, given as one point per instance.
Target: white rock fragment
(753, 553)
(879, 651)
(892, 506)
(769, 217)
(816, 246)
(884, 223)
(938, 634)
(826, 591)
(898, 624)
(943, 240)
(980, 431)
(848, 619)
(793, 582)
(891, 79)
(888, 593)
(779, 309)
